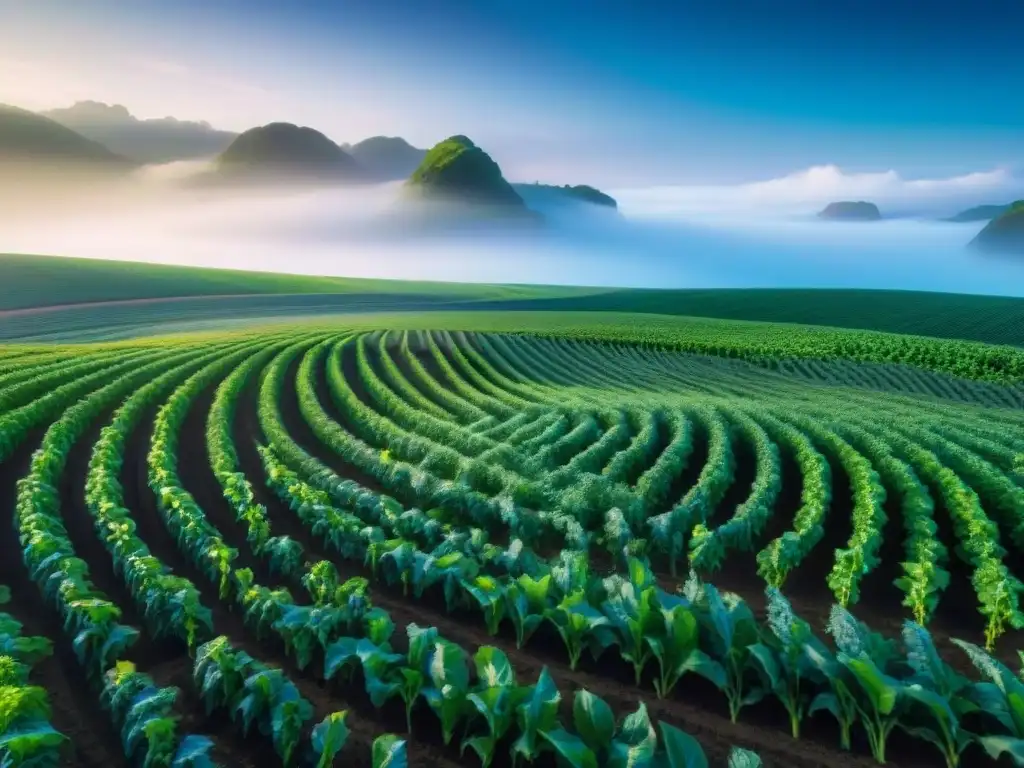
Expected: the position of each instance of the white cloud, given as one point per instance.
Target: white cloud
(808, 190)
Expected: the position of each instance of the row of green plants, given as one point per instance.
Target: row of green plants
(867, 682)
(375, 621)
(768, 344)
(496, 708)
(667, 465)
(462, 410)
(45, 396)
(924, 577)
(41, 375)
(91, 618)
(978, 536)
(397, 400)
(49, 371)
(709, 546)
(899, 455)
(453, 701)
(497, 608)
(27, 737)
(248, 691)
(668, 530)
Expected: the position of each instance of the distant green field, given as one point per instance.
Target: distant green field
(991, 319)
(37, 281)
(250, 297)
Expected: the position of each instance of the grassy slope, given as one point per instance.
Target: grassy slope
(35, 281)
(29, 136)
(38, 281)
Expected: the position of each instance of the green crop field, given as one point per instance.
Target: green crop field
(467, 538)
(39, 290)
(991, 319)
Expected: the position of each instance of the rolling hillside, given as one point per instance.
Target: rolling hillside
(28, 137)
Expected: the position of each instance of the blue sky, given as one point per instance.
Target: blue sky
(615, 93)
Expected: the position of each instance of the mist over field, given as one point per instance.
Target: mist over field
(760, 234)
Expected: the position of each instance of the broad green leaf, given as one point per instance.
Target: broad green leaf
(448, 666)
(681, 749)
(389, 752)
(593, 720)
(636, 743)
(997, 746)
(329, 737)
(765, 657)
(538, 713)
(570, 748)
(880, 689)
(493, 667)
(825, 701)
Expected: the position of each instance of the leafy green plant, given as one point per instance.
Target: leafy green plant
(447, 693)
(632, 609)
(328, 738)
(490, 598)
(733, 631)
(270, 700)
(789, 657)
(148, 725)
(580, 625)
(495, 699)
(219, 673)
(415, 672)
(864, 657)
(634, 743)
(381, 667)
(1000, 699)
(527, 604)
(937, 697)
(26, 736)
(675, 647)
(538, 714)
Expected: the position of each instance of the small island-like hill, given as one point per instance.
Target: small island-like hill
(386, 158)
(284, 151)
(848, 210)
(26, 137)
(1004, 234)
(150, 140)
(580, 193)
(457, 171)
(979, 213)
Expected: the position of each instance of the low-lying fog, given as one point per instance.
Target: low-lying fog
(763, 234)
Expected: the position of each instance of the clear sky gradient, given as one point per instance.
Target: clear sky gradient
(615, 93)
